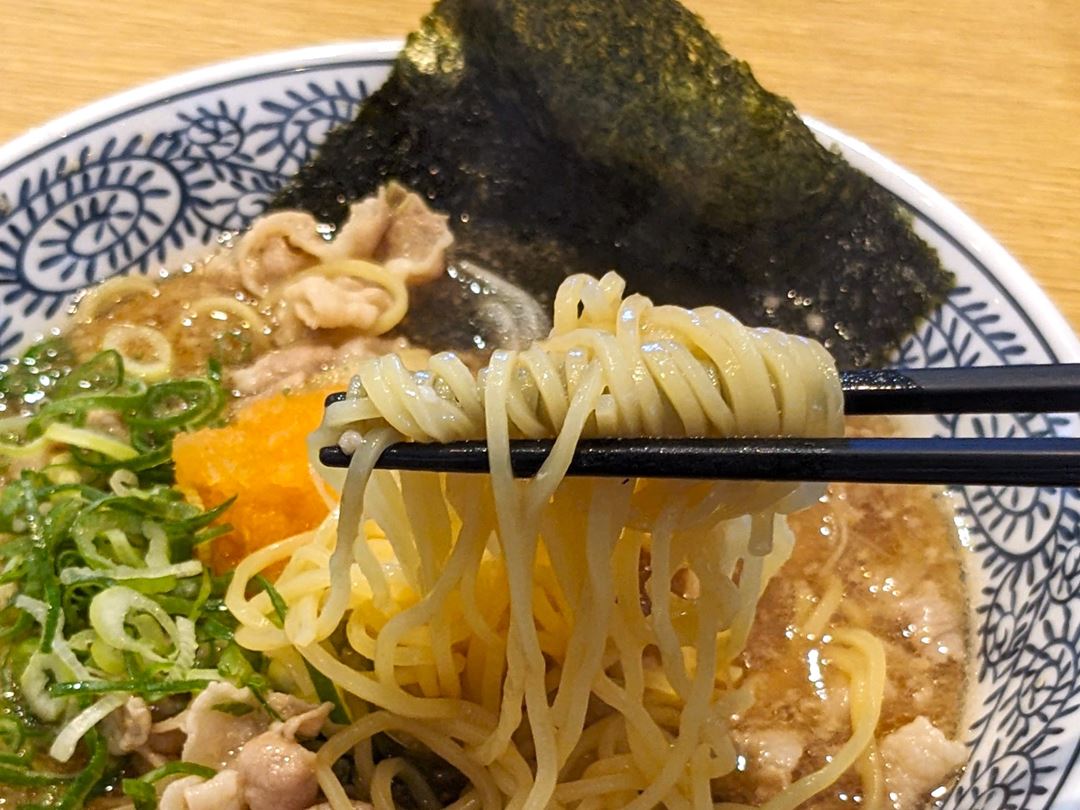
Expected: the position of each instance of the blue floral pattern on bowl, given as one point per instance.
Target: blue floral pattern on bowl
(155, 182)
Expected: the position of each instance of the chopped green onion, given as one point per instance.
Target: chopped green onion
(214, 370)
(177, 769)
(112, 610)
(23, 450)
(89, 776)
(52, 353)
(217, 630)
(235, 708)
(123, 398)
(151, 689)
(180, 403)
(102, 373)
(276, 601)
(206, 587)
(324, 687)
(258, 687)
(234, 666)
(142, 794)
(101, 596)
(328, 693)
(34, 684)
(63, 746)
(24, 777)
(71, 576)
(21, 625)
(141, 791)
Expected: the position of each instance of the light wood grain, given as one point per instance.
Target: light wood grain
(979, 97)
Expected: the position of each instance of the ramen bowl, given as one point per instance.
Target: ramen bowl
(152, 177)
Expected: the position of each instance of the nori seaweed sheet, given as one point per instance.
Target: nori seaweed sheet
(585, 135)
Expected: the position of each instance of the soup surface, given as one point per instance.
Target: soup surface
(887, 559)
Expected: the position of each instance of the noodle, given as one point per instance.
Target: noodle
(502, 620)
(132, 343)
(108, 293)
(864, 664)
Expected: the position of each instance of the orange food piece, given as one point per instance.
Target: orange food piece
(261, 458)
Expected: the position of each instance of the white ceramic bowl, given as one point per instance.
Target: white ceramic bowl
(150, 177)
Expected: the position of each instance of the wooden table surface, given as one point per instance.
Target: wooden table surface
(979, 97)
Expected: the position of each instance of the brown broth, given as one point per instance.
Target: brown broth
(881, 545)
(169, 308)
(205, 316)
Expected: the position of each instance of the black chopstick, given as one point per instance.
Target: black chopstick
(1048, 462)
(972, 389)
(984, 389)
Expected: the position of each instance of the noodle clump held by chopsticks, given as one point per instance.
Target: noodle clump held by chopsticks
(559, 642)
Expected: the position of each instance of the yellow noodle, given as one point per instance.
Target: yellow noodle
(248, 316)
(872, 773)
(864, 663)
(111, 292)
(815, 625)
(122, 338)
(501, 621)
